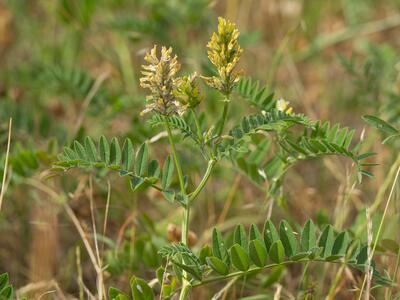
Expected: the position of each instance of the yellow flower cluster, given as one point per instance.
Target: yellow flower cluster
(224, 53)
(159, 76)
(170, 94)
(187, 93)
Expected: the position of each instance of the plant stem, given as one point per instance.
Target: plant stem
(186, 287)
(224, 115)
(213, 160)
(176, 160)
(185, 290)
(380, 228)
(203, 181)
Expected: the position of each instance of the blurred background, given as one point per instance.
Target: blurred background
(70, 68)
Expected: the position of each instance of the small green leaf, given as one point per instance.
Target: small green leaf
(116, 294)
(79, 150)
(167, 173)
(362, 256)
(142, 158)
(137, 183)
(115, 153)
(254, 233)
(90, 148)
(193, 271)
(217, 265)
(3, 280)
(308, 238)
(127, 155)
(7, 293)
(140, 289)
(326, 241)
(341, 243)
(104, 149)
(258, 253)
(270, 234)
(70, 154)
(204, 253)
(218, 246)
(380, 124)
(239, 236)
(277, 252)
(239, 258)
(154, 170)
(288, 239)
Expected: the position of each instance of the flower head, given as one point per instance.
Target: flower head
(224, 53)
(159, 76)
(187, 93)
(283, 105)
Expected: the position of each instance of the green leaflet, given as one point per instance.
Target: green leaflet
(254, 233)
(277, 252)
(380, 124)
(90, 149)
(167, 173)
(6, 290)
(218, 246)
(217, 265)
(308, 236)
(116, 294)
(239, 235)
(141, 290)
(239, 257)
(142, 160)
(270, 234)
(288, 239)
(104, 150)
(326, 241)
(128, 156)
(258, 253)
(115, 153)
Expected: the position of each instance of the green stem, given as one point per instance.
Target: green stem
(212, 161)
(203, 181)
(186, 287)
(176, 160)
(224, 115)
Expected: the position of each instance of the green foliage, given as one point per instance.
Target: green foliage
(251, 91)
(383, 126)
(6, 290)
(318, 139)
(255, 253)
(176, 122)
(140, 290)
(111, 156)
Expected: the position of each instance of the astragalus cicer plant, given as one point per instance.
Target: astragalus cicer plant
(172, 102)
